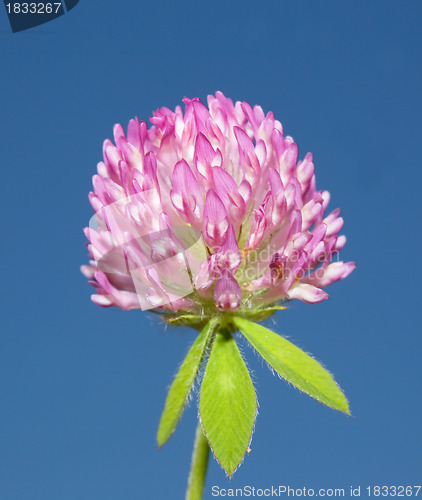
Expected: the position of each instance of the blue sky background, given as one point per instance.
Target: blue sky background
(82, 388)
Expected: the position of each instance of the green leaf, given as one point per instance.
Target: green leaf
(182, 384)
(227, 403)
(259, 314)
(294, 365)
(183, 319)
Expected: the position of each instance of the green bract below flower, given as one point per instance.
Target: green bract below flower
(208, 218)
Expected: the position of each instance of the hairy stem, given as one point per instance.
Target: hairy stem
(198, 470)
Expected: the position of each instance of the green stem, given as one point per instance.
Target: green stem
(198, 469)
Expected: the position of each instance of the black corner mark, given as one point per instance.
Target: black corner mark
(70, 4)
(26, 14)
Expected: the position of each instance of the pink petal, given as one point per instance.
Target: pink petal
(307, 293)
(186, 194)
(228, 256)
(305, 171)
(227, 292)
(332, 273)
(227, 190)
(279, 204)
(215, 223)
(126, 300)
(257, 230)
(134, 135)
